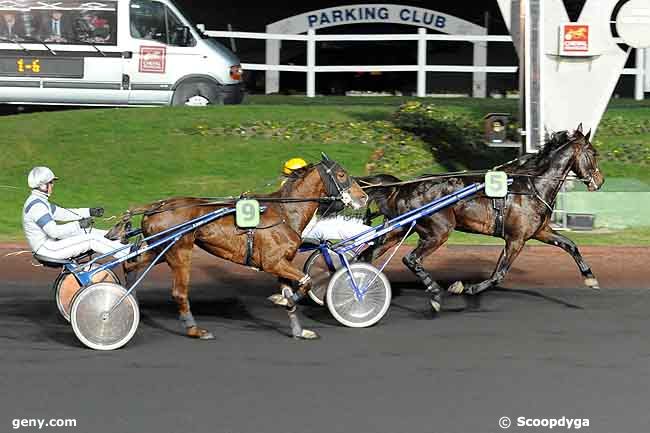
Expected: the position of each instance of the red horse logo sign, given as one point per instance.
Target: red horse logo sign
(575, 38)
(152, 59)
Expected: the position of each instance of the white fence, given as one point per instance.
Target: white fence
(422, 38)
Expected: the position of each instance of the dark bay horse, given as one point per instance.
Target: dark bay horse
(271, 247)
(526, 211)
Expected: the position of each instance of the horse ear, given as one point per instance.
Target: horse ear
(324, 156)
(579, 128)
(588, 135)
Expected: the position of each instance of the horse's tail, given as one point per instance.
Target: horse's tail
(145, 209)
(123, 229)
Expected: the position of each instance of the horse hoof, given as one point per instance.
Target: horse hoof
(279, 299)
(592, 283)
(435, 305)
(306, 334)
(457, 288)
(201, 334)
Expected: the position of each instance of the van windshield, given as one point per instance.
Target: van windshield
(188, 17)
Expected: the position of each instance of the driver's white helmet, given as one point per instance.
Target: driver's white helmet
(40, 176)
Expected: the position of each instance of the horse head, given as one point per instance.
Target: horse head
(585, 164)
(338, 183)
(331, 179)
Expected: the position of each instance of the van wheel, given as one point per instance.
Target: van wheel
(198, 94)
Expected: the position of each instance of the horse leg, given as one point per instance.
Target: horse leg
(179, 259)
(510, 252)
(427, 244)
(288, 299)
(551, 237)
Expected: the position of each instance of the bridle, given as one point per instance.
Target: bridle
(334, 188)
(592, 172)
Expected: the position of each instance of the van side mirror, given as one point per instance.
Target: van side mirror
(183, 36)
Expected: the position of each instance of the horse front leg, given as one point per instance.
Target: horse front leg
(510, 252)
(287, 274)
(551, 237)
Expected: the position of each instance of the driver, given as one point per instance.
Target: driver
(326, 227)
(61, 241)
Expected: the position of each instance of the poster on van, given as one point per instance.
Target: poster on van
(152, 59)
(62, 22)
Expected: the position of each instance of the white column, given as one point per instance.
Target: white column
(422, 63)
(639, 79)
(311, 63)
(479, 79)
(272, 78)
(646, 68)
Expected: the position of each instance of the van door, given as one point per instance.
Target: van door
(164, 50)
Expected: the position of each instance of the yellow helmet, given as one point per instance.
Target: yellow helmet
(293, 164)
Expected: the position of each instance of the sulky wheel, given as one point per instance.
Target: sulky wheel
(66, 287)
(344, 305)
(91, 322)
(320, 273)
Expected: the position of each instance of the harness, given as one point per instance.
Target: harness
(499, 206)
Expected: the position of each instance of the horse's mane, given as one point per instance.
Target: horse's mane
(535, 164)
(295, 175)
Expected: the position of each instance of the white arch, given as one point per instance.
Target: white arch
(374, 14)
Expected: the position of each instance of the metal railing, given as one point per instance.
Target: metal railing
(422, 38)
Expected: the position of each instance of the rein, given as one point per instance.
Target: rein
(224, 201)
(472, 173)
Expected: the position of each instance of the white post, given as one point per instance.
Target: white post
(639, 81)
(311, 63)
(479, 79)
(422, 62)
(272, 78)
(646, 73)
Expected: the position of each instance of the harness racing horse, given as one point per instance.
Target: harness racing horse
(524, 214)
(270, 247)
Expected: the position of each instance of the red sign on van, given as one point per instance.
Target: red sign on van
(575, 38)
(152, 59)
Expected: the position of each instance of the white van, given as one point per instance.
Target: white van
(111, 52)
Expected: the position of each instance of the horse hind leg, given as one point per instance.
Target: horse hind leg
(508, 255)
(179, 260)
(413, 261)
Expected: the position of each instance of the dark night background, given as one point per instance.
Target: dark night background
(253, 17)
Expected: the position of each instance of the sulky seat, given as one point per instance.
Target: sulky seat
(58, 263)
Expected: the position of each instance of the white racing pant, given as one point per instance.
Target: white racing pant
(75, 245)
(334, 228)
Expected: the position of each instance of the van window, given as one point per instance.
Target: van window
(154, 21)
(67, 22)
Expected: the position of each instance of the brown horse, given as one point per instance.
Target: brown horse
(524, 214)
(270, 247)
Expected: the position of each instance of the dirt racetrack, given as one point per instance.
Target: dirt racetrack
(536, 267)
